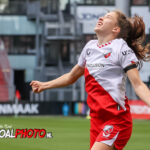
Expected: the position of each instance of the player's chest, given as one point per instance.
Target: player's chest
(95, 56)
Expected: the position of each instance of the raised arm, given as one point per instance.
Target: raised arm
(140, 88)
(62, 81)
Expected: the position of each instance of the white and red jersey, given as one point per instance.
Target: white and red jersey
(104, 72)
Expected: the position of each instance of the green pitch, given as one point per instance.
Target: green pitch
(69, 133)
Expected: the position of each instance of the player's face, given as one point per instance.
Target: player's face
(106, 24)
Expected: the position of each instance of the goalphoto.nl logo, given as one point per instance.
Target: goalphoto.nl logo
(6, 131)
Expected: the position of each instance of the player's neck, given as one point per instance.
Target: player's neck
(103, 40)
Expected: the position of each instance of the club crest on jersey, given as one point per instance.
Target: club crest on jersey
(108, 129)
(107, 55)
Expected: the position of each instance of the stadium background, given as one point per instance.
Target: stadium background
(41, 40)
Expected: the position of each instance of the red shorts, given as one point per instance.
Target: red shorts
(110, 129)
(109, 133)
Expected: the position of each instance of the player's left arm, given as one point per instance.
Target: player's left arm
(140, 88)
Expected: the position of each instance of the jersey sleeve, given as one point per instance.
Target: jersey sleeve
(82, 57)
(127, 58)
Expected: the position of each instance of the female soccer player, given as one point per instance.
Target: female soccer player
(105, 63)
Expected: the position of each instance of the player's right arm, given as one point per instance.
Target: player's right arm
(62, 81)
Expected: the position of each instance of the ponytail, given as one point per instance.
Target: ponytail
(136, 37)
(132, 30)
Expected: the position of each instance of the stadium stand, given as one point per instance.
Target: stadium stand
(6, 85)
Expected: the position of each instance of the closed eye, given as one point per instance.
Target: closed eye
(108, 16)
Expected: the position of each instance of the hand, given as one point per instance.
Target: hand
(37, 86)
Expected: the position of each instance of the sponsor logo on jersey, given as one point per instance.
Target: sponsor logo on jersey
(108, 129)
(127, 52)
(98, 65)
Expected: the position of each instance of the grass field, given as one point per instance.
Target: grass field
(69, 133)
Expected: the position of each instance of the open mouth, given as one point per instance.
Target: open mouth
(100, 23)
